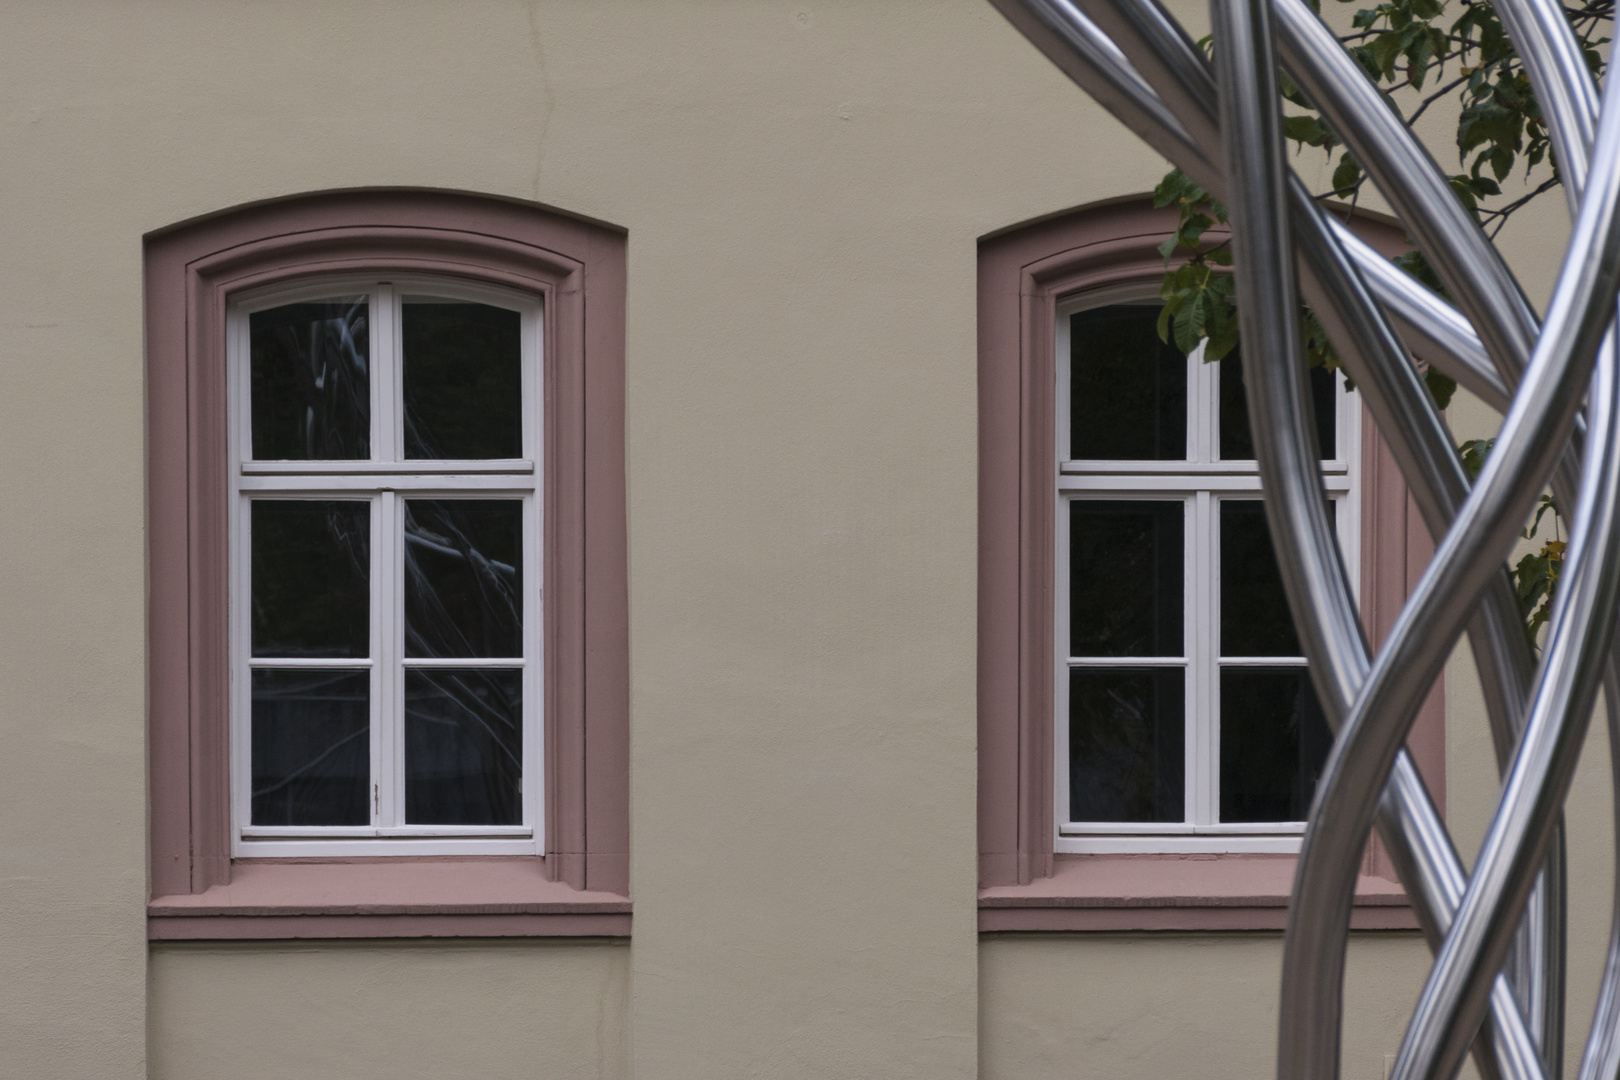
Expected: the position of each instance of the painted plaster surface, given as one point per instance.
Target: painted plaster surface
(390, 1010)
(803, 185)
(1079, 1007)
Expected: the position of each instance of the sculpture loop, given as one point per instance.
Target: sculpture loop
(1496, 988)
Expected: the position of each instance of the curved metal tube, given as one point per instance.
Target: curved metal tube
(1437, 331)
(1436, 864)
(1264, 264)
(1471, 268)
(1074, 43)
(1392, 391)
(1564, 89)
(1268, 306)
(1526, 450)
(1175, 114)
(1091, 59)
(1569, 105)
(1478, 277)
(1452, 1003)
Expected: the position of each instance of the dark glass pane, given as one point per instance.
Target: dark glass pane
(311, 747)
(1128, 389)
(1125, 578)
(1126, 744)
(1237, 442)
(1254, 610)
(464, 577)
(464, 746)
(463, 380)
(310, 372)
(311, 573)
(1274, 742)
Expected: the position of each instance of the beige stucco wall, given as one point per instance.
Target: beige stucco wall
(803, 185)
(394, 1011)
(1078, 1007)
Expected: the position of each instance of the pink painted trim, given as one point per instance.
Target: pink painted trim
(474, 886)
(1172, 892)
(579, 269)
(1189, 920)
(325, 927)
(1023, 272)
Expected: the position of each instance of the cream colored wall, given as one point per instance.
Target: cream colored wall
(396, 1011)
(1111, 1006)
(803, 185)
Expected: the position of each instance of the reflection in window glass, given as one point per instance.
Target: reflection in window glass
(464, 578)
(1127, 389)
(311, 749)
(1255, 620)
(1236, 440)
(1126, 577)
(310, 381)
(393, 700)
(1274, 743)
(311, 567)
(463, 380)
(463, 746)
(1126, 744)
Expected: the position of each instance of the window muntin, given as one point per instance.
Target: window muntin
(385, 549)
(1184, 717)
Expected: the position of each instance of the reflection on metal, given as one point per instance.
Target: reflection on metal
(1496, 987)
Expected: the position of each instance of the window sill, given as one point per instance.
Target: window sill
(379, 898)
(1173, 892)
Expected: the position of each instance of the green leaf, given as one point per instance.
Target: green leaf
(1223, 339)
(1441, 387)
(1193, 228)
(1346, 175)
(1369, 63)
(1176, 187)
(1305, 130)
(1197, 317)
(1501, 162)
(1385, 50)
(1473, 454)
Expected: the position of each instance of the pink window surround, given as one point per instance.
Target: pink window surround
(1024, 886)
(581, 886)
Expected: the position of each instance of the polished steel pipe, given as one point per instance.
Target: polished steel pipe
(1138, 62)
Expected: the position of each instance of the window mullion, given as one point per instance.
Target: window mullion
(241, 682)
(533, 668)
(385, 378)
(1060, 667)
(239, 579)
(382, 666)
(390, 584)
(1202, 711)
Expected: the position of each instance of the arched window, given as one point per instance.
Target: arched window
(385, 428)
(1142, 693)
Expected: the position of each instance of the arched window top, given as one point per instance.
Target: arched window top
(444, 365)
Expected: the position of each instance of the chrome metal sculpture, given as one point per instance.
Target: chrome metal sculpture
(1496, 987)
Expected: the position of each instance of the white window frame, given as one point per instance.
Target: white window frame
(383, 481)
(1202, 482)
